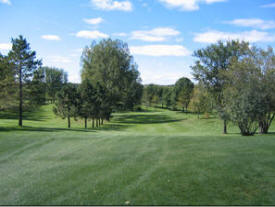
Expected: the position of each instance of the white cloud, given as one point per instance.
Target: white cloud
(187, 5)
(122, 34)
(51, 37)
(94, 21)
(268, 5)
(91, 34)
(159, 34)
(160, 50)
(5, 46)
(255, 23)
(5, 2)
(112, 5)
(250, 36)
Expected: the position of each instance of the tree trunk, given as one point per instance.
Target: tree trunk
(69, 121)
(20, 98)
(93, 123)
(225, 127)
(102, 121)
(85, 122)
(264, 125)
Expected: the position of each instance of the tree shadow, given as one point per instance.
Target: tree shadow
(107, 127)
(145, 119)
(42, 129)
(28, 116)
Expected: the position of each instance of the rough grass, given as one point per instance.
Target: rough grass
(156, 157)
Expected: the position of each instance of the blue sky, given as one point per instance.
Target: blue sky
(161, 34)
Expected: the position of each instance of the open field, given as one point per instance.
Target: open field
(156, 157)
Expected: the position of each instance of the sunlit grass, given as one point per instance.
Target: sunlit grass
(155, 157)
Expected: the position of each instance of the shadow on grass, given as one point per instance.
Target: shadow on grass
(29, 116)
(107, 127)
(145, 119)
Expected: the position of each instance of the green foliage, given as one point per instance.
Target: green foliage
(183, 91)
(66, 103)
(265, 60)
(24, 63)
(243, 95)
(200, 102)
(213, 62)
(110, 64)
(37, 89)
(55, 79)
(7, 84)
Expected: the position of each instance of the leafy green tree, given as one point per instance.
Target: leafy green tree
(55, 79)
(25, 63)
(37, 88)
(243, 95)
(7, 84)
(66, 103)
(200, 101)
(87, 101)
(110, 64)
(213, 61)
(167, 96)
(265, 60)
(183, 91)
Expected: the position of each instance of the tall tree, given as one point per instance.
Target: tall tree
(25, 63)
(243, 94)
(213, 61)
(111, 65)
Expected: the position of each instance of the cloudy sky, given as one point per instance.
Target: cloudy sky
(161, 34)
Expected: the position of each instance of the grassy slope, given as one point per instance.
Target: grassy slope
(150, 158)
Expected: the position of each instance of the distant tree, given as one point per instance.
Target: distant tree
(55, 79)
(66, 103)
(200, 101)
(37, 88)
(25, 63)
(213, 61)
(183, 91)
(133, 95)
(150, 93)
(167, 96)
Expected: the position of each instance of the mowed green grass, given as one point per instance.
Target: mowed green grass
(156, 157)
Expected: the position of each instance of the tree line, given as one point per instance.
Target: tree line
(110, 82)
(233, 79)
